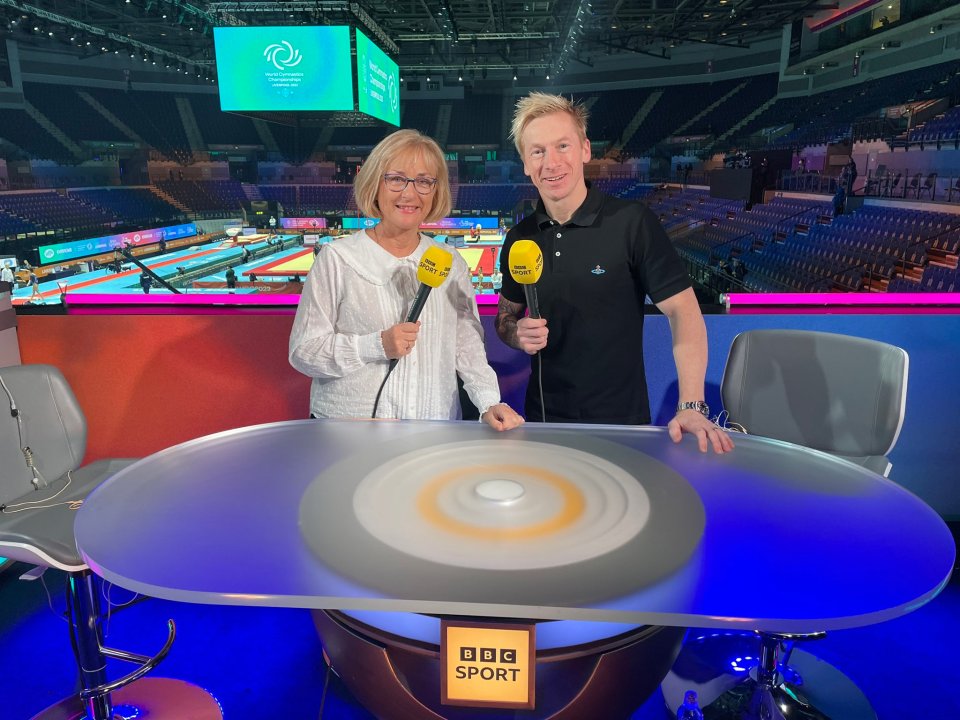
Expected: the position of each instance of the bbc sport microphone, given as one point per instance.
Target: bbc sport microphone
(434, 268)
(526, 264)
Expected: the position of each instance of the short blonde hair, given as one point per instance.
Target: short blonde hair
(538, 104)
(367, 182)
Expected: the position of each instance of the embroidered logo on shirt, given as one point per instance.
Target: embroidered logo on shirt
(598, 270)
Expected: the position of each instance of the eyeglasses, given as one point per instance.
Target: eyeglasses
(397, 183)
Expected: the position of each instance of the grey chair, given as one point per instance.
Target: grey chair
(835, 393)
(840, 394)
(43, 437)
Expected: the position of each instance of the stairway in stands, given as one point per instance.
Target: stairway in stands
(170, 199)
(266, 137)
(689, 123)
(110, 117)
(189, 120)
(744, 121)
(635, 123)
(43, 121)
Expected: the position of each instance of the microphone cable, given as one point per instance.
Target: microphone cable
(543, 407)
(376, 402)
(38, 478)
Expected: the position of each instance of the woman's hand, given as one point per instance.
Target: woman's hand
(398, 341)
(502, 417)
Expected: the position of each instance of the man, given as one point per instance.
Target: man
(146, 282)
(231, 278)
(601, 257)
(6, 275)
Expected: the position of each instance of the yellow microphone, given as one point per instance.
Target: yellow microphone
(433, 269)
(526, 265)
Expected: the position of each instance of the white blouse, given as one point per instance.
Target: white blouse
(355, 290)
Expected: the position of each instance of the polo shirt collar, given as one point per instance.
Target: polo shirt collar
(584, 216)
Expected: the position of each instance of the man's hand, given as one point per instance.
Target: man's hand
(518, 331)
(502, 417)
(532, 334)
(399, 340)
(694, 423)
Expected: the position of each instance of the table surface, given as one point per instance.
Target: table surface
(794, 540)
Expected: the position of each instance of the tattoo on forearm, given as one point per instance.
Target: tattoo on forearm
(507, 315)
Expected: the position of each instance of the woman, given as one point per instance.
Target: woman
(348, 325)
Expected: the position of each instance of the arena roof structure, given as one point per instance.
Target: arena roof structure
(496, 36)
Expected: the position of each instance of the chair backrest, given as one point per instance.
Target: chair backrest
(840, 394)
(48, 420)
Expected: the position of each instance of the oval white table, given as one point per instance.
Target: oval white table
(351, 516)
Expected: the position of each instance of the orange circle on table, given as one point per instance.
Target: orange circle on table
(572, 510)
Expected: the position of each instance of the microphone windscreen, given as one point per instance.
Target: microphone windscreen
(526, 262)
(434, 266)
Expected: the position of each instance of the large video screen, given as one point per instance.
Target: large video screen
(378, 82)
(284, 68)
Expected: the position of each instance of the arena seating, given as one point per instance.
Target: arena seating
(206, 196)
(476, 120)
(220, 128)
(52, 211)
(131, 205)
(319, 199)
(71, 113)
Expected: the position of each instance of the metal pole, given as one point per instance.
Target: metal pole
(83, 604)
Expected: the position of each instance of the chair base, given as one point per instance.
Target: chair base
(155, 698)
(723, 669)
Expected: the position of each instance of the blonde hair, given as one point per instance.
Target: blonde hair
(367, 182)
(538, 104)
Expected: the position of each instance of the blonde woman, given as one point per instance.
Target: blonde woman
(349, 323)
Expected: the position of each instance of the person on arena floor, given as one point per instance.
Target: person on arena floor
(349, 324)
(602, 256)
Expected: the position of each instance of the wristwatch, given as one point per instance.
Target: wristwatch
(700, 406)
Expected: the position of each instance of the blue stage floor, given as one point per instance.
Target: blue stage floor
(264, 663)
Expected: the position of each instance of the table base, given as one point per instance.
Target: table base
(156, 698)
(399, 679)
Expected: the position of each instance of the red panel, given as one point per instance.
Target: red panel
(147, 382)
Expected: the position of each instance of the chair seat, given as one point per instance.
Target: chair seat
(44, 536)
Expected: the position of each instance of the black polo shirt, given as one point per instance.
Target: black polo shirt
(598, 268)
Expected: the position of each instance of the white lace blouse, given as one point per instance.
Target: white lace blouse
(355, 290)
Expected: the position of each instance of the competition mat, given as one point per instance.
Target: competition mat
(574, 518)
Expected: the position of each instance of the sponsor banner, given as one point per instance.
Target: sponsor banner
(94, 246)
(450, 223)
(293, 223)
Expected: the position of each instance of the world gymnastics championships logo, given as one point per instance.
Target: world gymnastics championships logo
(282, 55)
